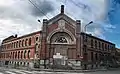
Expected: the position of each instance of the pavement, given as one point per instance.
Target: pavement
(47, 71)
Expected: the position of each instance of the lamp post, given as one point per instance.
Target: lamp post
(87, 25)
(39, 56)
(85, 66)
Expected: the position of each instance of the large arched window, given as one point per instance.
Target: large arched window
(61, 39)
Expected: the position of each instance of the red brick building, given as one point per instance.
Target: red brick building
(20, 51)
(60, 43)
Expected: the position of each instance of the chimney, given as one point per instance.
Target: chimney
(62, 9)
(15, 35)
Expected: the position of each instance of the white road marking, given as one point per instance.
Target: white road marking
(10, 72)
(1, 73)
(41, 72)
(73, 73)
(19, 72)
(27, 71)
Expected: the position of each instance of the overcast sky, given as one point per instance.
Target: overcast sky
(20, 16)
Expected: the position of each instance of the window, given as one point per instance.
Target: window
(92, 56)
(11, 55)
(99, 45)
(18, 54)
(95, 44)
(14, 44)
(91, 43)
(85, 48)
(105, 46)
(96, 56)
(21, 54)
(28, 54)
(102, 46)
(36, 38)
(17, 44)
(15, 54)
(108, 47)
(61, 39)
(22, 43)
(29, 41)
(85, 38)
(36, 47)
(26, 42)
(24, 54)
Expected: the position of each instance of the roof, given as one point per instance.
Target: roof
(96, 38)
(61, 15)
(11, 38)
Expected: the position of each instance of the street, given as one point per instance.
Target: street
(16, 71)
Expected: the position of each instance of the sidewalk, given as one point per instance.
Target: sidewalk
(60, 70)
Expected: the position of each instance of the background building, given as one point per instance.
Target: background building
(60, 44)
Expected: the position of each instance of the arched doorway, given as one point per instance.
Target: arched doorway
(60, 42)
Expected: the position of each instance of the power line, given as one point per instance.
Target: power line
(38, 8)
(82, 5)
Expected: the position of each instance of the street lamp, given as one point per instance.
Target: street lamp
(85, 38)
(87, 25)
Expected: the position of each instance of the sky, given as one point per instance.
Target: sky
(20, 16)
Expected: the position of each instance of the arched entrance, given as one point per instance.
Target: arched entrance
(60, 42)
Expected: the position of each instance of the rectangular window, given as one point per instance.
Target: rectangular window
(103, 46)
(91, 43)
(95, 44)
(99, 45)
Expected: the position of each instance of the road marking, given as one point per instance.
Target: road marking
(1, 73)
(73, 73)
(41, 72)
(27, 71)
(19, 72)
(10, 72)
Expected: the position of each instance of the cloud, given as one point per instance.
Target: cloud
(90, 10)
(44, 7)
(20, 16)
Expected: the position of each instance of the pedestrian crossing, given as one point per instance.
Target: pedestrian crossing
(16, 71)
(26, 72)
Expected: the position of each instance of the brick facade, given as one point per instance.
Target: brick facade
(60, 35)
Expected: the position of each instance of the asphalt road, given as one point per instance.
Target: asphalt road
(16, 71)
